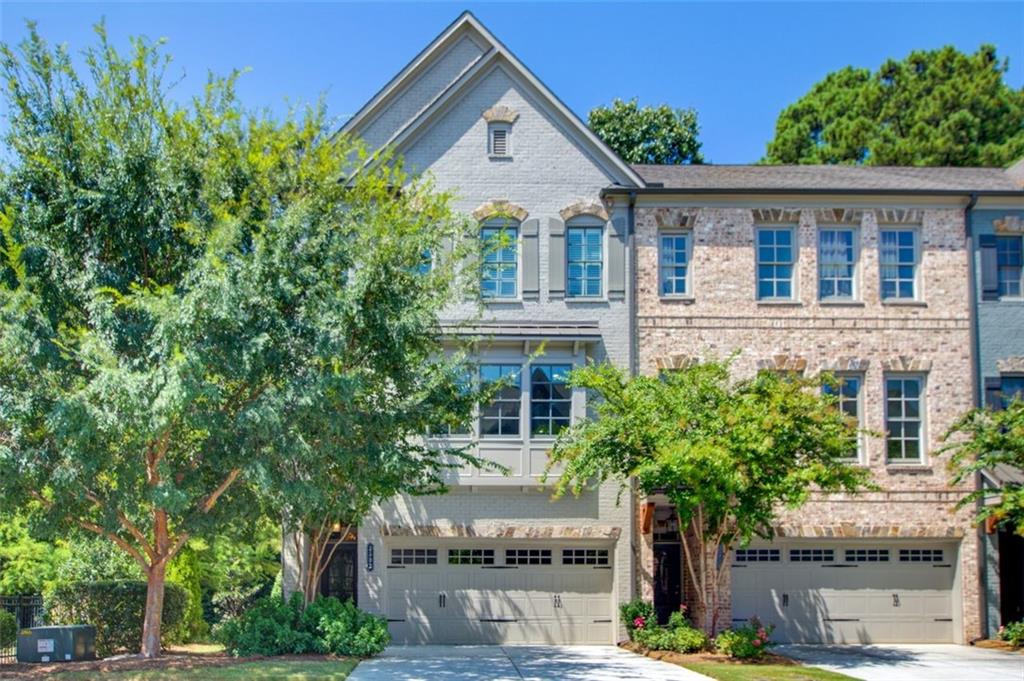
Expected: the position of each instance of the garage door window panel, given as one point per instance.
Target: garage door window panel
(471, 556)
(811, 555)
(527, 556)
(867, 555)
(597, 557)
(414, 556)
(757, 556)
(921, 555)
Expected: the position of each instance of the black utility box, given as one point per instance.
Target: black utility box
(57, 644)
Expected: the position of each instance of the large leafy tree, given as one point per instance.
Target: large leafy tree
(987, 440)
(933, 108)
(727, 453)
(191, 297)
(649, 134)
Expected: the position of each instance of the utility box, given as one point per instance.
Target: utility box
(57, 644)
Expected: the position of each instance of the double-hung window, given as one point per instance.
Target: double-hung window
(550, 399)
(898, 263)
(499, 275)
(837, 258)
(1011, 387)
(903, 419)
(1009, 259)
(775, 260)
(847, 394)
(501, 415)
(673, 263)
(585, 260)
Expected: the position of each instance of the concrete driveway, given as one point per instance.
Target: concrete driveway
(535, 663)
(902, 662)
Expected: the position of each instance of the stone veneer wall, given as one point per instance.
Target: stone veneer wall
(931, 338)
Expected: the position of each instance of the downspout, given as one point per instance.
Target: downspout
(634, 342)
(974, 295)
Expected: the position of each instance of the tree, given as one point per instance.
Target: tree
(933, 108)
(985, 440)
(183, 286)
(727, 454)
(652, 134)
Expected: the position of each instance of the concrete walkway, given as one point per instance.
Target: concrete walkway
(900, 662)
(515, 663)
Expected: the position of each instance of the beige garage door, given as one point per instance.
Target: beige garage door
(845, 592)
(500, 593)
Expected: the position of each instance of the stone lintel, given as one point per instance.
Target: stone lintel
(500, 114)
(499, 208)
(584, 208)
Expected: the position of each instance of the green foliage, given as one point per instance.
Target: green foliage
(749, 642)
(934, 108)
(650, 134)
(1013, 633)
(727, 453)
(27, 566)
(199, 318)
(679, 635)
(92, 559)
(983, 440)
(186, 571)
(115, 608)
(8, 629)
(274, 627)
(636, 613)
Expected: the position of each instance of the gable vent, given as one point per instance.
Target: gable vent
(499, 142)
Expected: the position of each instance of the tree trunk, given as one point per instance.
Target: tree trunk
(154, 609)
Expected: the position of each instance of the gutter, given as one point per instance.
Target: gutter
(719, 191)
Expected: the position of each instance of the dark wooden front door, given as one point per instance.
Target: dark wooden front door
(668, 585)
(339, 579)
(1011, 576)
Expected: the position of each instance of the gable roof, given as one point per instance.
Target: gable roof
(495, 51)
(823, 178)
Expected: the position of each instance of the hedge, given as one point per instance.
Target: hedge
(116, 609)
(8, 629)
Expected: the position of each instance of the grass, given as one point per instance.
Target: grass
(287, 670)
(763, 672)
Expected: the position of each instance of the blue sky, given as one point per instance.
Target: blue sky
(738, 64)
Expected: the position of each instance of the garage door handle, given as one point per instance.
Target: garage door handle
(943, 619)
(895, 600)
(497, 620)
(442, 601)
(842, 619)
(785, 600)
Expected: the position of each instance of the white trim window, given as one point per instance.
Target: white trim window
(837, 264)
(584, 261)
(904, 419)
(500, 418)
(776, 257)
(897, 259)
(673, 263)
(499, 273)
(848, 399)
(550, 399)
(499, 139)
(1010, 264)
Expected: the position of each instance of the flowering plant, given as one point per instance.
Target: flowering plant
(639, 622)
(750, 641)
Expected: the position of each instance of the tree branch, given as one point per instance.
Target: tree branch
(211, 500)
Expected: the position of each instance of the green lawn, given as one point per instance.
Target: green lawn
(287, 670)
(763, 672)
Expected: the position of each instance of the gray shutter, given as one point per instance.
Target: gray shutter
(989, 267)
(531, 259)
(617, 259)
(473, 261)
(993, 393)
(556, 259)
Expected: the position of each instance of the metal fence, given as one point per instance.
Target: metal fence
(28, 612)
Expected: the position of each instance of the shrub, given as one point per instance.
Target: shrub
(8, 629)
(637, 614)
(269, 627)
(184, 571)
(747, 642)
(1013, 633)
(681, 638)
(116, 609)
(344, 629)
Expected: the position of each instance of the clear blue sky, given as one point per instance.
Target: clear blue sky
(738, 64)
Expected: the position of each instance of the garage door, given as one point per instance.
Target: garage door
(507, 593)
(844, 592)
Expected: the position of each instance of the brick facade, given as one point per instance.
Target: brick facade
(930, 338)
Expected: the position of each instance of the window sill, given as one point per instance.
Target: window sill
(780, 303)
(502, 439)
(841, 303)
(500, 157)
(502, 301)
(916, 467)
(682, 300)
(585, 299)
(904, 303)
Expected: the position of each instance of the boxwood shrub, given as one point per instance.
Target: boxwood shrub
(8, 629)
(116, 608)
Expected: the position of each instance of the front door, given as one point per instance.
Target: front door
(668, 586)
(339, 579)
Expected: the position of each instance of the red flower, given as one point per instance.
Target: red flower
(639, 622)
(757, 642)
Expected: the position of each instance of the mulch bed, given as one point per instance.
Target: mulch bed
(123, 663)
(681, 658)
(996, 644)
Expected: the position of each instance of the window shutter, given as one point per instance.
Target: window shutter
(556, 259)
(989, 267)
(473, 261)
(531, 259)
(993, 393)
(617, 259)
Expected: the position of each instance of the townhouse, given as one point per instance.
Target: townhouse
(863, 272)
